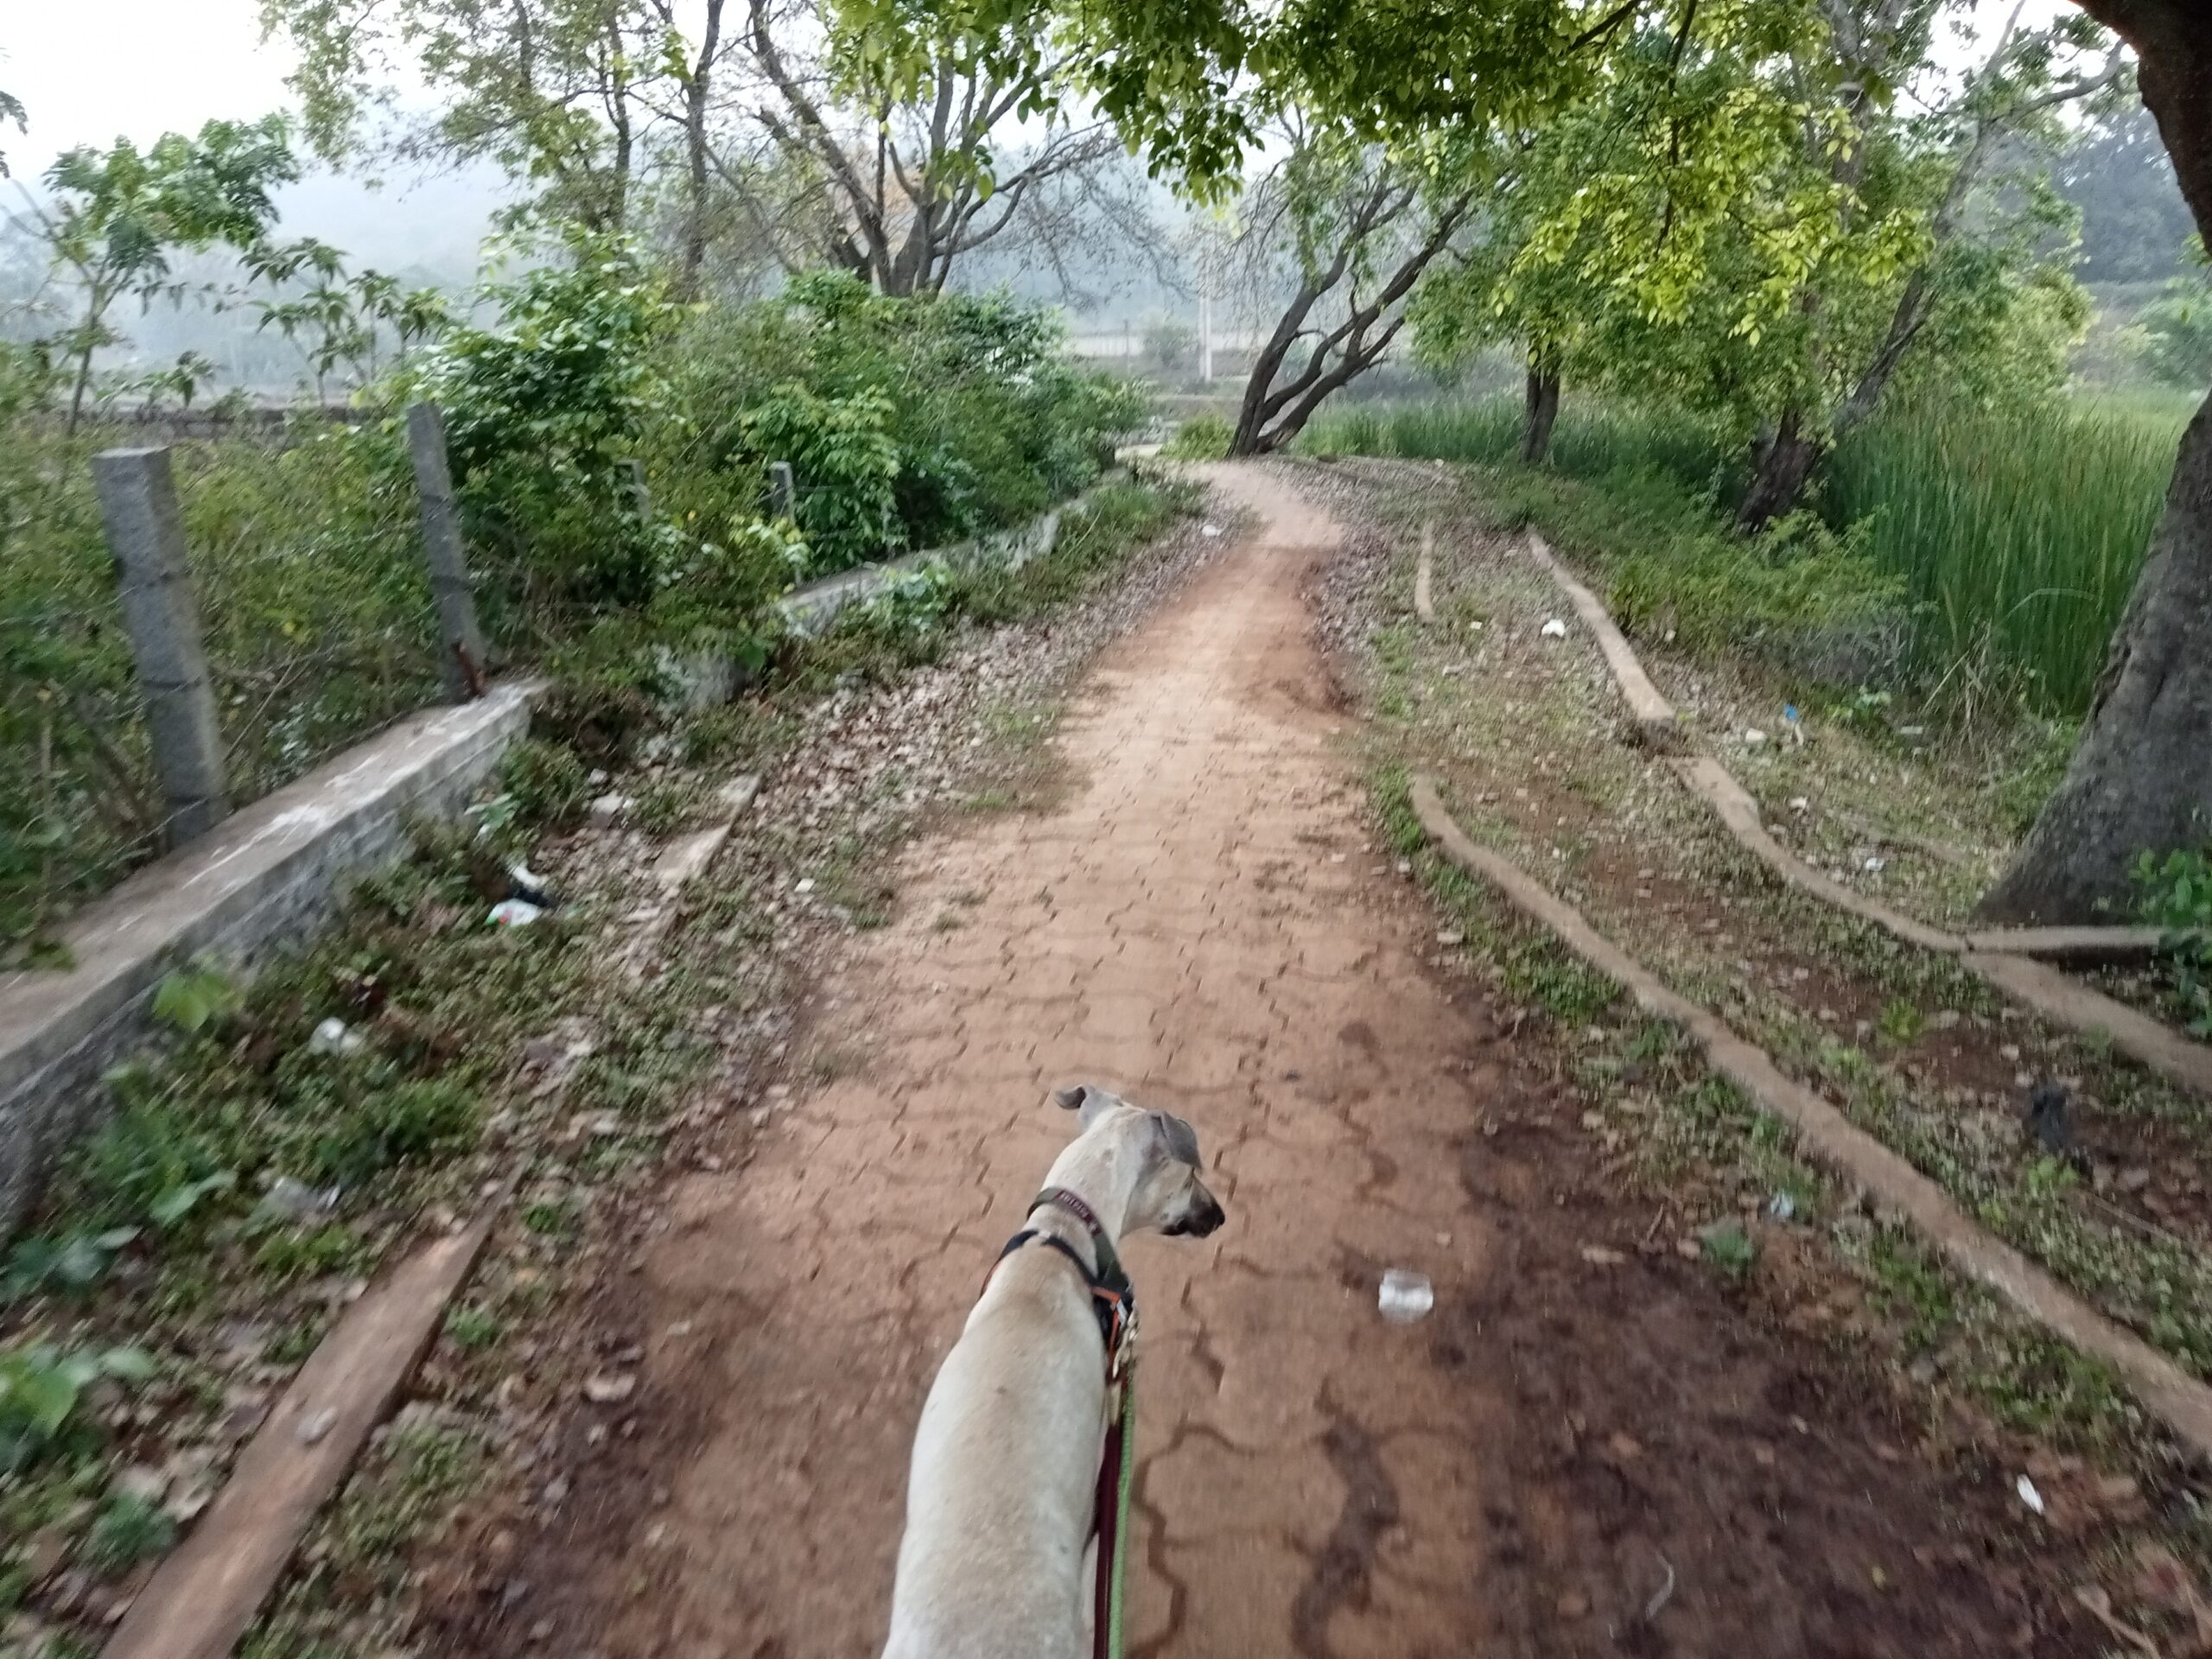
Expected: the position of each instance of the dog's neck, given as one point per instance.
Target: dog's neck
(1103, 1170)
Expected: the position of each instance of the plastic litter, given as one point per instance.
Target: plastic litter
(1554, 629)
(1782, 1207)
(335, 1036)
(287, 1199)
(1209, 531)
(1753, 737)
(1791, 723)
(1406, 1296)
(2029, 1496)
(514, 912)
(1875, 866)
(526, 885)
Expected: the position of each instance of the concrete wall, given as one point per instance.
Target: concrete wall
(262, 880)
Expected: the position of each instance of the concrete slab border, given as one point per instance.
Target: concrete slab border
(2177, 1398)
(257, 882)
(2003, 957)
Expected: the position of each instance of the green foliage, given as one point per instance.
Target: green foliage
(1203, 437)
(843, 448)
(126, 1530)
(119, 215)
(962, 406)
(547, 782)
(2175, 333)
(542, 414)
(1729, 1248)
(187, 998)
(39, 1387)
(1989, 554)
(2018, 535)
(414, 1120)
(2176, 895)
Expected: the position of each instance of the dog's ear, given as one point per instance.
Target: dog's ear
(1088, 1102)
(1179, 1137)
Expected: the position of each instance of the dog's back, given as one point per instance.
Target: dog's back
(999, 1516)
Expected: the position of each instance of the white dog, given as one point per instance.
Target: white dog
(1001, 1494)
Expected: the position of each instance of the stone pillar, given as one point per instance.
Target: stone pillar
(783, 491)
(461, 660)
(145, 534)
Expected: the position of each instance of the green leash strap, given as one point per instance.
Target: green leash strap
(1122, 1512)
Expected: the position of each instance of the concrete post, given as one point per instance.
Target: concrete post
(145, 534)
(461, 643)
(641, 496)
(783, 491)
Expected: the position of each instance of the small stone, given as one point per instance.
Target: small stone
(608, 1389)
(316, 1424)
(1573, 1604)
(2134, 1180)
(1598, 1255)
(142, 1482)
(1624, 1447)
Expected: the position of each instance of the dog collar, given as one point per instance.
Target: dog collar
(1112, 1298)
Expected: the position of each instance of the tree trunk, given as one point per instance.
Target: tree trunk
(1542, 409)
(1779, 482)
(2141, 780)
(695, 142)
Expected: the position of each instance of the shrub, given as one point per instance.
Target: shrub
(407, 1122)
(1203, 437)
(548, 783)
(2177, 896)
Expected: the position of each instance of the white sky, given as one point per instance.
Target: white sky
(97, 70)
(94, 70)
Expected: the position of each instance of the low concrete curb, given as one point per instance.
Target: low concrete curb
(810, 609)
(2001, 957)
(1425, 576)
(260, 880)
(2177, 1398)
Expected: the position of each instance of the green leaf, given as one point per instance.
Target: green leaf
(189, 997)
(130, 1364)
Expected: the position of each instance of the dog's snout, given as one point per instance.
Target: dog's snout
(1208, 1217)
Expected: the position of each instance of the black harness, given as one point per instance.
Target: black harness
(1112, 1298)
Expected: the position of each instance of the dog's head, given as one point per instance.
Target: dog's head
(1169, 1195)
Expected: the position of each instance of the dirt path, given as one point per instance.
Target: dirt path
(1574, 1454)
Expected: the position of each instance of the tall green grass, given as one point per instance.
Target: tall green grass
(1591, 440)
(2019, 536)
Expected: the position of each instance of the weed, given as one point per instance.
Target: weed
(1729, 1248)
(552, 1217)
(293, 1253)
(1203, 437)
(1900, 1022)
(127, 1529)
(412, 1120)
(547, 782)
(665, 807)
(2177, 896)
(291, 1345)
(471, 1325)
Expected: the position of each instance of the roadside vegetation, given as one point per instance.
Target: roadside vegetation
(1997, 549)
(297, 1134)
(906, 424)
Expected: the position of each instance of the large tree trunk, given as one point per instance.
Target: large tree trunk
(1540, 410)
(1779, 484)
(2141, 780)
